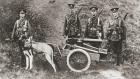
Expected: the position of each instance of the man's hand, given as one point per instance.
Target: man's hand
(11, 38)
(80, 40)
(79, 35)
(64, 36)
(94, 29)
(124, 41)
(108, 29)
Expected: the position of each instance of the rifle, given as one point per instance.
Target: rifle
(125, 16)
(9, 40)
(79, 11)
(100, 12)
(99, 34)
(125, 44)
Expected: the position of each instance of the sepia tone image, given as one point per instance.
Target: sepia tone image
(69, 39)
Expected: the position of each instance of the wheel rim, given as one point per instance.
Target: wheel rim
(78, 60)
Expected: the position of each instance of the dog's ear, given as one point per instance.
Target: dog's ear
(31, 39)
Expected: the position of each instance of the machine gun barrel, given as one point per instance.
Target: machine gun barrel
(88, 39)
(92, 40)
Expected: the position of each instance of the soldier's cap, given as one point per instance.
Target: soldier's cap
(114, 9)
(22, 12)
(94, 6)
(71, 5)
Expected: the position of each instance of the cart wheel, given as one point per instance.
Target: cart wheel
(78, 60)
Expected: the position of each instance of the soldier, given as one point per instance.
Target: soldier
(94, 27)
(115, 34)
(72, 27)
(21, 32)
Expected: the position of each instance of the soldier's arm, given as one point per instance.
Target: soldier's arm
(123, 29)
(65, 28)
(106, 28)
(29, 28)
(89, 22)
(79, 26)
(99, 25)
(87, 27)
(101, 28)
(14, 29)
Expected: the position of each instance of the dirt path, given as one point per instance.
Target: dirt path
(103, 74)
(112, 74)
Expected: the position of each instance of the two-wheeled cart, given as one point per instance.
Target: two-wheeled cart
(81, 52)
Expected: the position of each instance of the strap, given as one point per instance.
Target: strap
(98, 23)
(120, 20)
(17, 23)
(25, 23)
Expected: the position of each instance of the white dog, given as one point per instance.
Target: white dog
(39, 47)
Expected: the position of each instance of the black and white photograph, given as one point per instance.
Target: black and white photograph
(69, 39)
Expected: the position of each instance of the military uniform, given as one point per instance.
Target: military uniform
(21, 29)
(115, 35)
(94, 26)
(72, 27)
(21, 32)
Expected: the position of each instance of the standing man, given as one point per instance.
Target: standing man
(21, 32)
(72, 27)
(115, 34)
(94, 28)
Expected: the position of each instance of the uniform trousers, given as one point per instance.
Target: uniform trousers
(116, 49)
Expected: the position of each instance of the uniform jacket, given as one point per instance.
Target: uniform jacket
(72, 25)
(21, 28)
(115, 29)
(94, 24)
